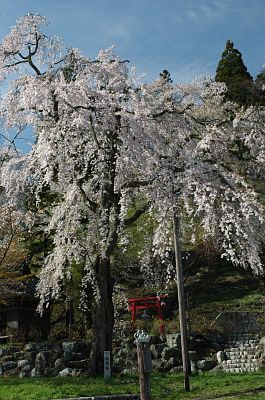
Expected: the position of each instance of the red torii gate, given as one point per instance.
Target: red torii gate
(145, 303)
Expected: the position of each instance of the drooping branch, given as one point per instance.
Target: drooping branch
(135, 184)
(92, 205)
(94, 132)
(130, 220)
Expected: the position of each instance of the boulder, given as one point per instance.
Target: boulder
(19, 355)
(59, 365)
(24, 374)
(30, 347)
(217, 369)
(156, 350)
(42, 347)
(176, 369)
(174, 340)
(66, 372)
(169, 352)
(262, 346)
(7, 358)
(206, 365)
(81, 364)
(128, 371)
(72, 356)
(220, 356)
(49, 371)
(9, 365)
(76, 347)
(157, 364)
(22, 363)
(171, 363)
(11, 372)
(40, 364)
(30, 356)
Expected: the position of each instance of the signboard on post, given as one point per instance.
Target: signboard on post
(107, 366)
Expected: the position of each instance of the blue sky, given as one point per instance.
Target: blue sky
(185, 37)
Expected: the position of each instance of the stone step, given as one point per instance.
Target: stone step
(241, 353)
(247, 365)
(239, 370)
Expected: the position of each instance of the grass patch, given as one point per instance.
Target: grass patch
(164, 387)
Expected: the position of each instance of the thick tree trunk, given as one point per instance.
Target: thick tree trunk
(102, 317)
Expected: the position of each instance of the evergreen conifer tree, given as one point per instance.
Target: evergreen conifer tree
(232, 71)
(260, 85)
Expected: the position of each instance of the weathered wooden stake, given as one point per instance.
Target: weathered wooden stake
(144, 366)
(181, 301)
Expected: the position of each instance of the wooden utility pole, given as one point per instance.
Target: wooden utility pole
(144, 364)
(181, 301)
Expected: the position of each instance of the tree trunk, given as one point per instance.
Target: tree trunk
(102, 317)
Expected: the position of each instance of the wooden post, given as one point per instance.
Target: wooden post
(144, 366)
(181, 301)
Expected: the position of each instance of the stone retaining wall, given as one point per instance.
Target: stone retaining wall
(72, 358)
(44, 359)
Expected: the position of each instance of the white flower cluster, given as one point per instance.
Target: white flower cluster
(103, 141)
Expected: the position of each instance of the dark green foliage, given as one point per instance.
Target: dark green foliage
(232, 71)
(260, 83)
(166, 76)
(260, 80)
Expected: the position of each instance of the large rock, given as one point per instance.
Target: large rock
(173, 340)
(169, 352)
(24, 374)
(157, 364)
(30, 347)
(156, 349)
(40, 364)
(82, 364)
(19, 355)
(59, 365)
(171, 363)
(206, 365)
(220, 356)
(72, 356)
(7, 358)
(66, 372)
(262, 347)
(22, 363)
(30, 356)
(9, 365)
(76, 347)
(49, 371)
